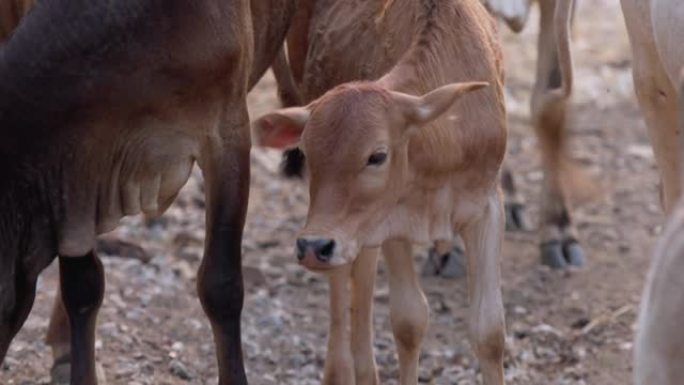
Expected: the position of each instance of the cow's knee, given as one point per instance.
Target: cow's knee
(221, 295)
(410, 322)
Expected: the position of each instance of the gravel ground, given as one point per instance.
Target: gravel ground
(563, 327)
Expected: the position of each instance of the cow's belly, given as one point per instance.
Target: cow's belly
(143, 176)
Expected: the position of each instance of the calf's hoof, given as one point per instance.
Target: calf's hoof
(515, 217)
(450, 265)
(560, 254)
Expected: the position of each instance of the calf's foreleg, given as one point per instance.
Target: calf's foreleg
(483, 238)
(409, 310)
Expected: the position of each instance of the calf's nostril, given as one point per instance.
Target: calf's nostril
(327, 248)
(301, 248)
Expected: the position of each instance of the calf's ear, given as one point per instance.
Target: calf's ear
(280, 129)
(420, 110)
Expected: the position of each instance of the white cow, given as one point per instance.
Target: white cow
(655, 28)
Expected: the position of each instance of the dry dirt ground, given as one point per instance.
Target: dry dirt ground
(563, 327)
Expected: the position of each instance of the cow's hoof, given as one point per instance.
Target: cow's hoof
(60, 374)
(453, 264)
(450, 265)
(432, 264)
(515, 217)
(574, 254)
(552, 255)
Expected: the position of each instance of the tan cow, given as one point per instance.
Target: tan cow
(393, 162)
(655, 30)
(325, 50)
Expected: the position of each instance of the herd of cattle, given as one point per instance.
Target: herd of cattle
(395, 113)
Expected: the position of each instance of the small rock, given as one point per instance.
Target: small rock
(179, 370)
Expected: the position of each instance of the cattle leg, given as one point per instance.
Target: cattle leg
(445, 259)
(225, 167)
(483, 238)
(339, 363)
(657, 98)
(559, 246)
(409, 310)
(59, 339)
(82, 285)
(515, 214)
(287, 89)
(363, 282)
(17, 292)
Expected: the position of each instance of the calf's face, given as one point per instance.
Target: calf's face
(355, 141)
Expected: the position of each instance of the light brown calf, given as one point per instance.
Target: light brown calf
(655, 30)
(332, 41)
(388, 169)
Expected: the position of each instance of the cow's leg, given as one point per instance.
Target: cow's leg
(363, 282)
(82, 285)
(483, 238)
(409, 310)
(58, 338)
(657, 98)
(225, 166)
(287, 88)
(559, 246)
(515, 214)
(339, 363)
(17, 292)
(445, 259)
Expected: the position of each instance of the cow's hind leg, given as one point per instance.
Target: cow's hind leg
(409, 310)
(559, 245)
(17, 292)
(483, 238)
(82, 285)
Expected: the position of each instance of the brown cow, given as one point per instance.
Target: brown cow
(270, 19)
(317, 24)
(388, 168)
(104, 108)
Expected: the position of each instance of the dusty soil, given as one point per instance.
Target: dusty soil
(563, 327)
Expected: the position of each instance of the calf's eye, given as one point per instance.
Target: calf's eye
(377, 158)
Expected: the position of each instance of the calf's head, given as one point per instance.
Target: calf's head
(355, 142)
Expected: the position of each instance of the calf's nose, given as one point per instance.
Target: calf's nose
(322, 248)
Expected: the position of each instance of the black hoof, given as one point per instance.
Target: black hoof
(574, 255)
(515, 217)
(453, 264)
(450, 265)
(552, 255)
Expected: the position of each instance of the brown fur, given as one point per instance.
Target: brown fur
(443, 158)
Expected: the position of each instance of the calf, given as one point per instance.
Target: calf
(655, 28)
(326, 47)
(393, 162)
(104, 108)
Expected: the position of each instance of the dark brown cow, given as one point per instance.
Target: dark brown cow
(104, 108)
